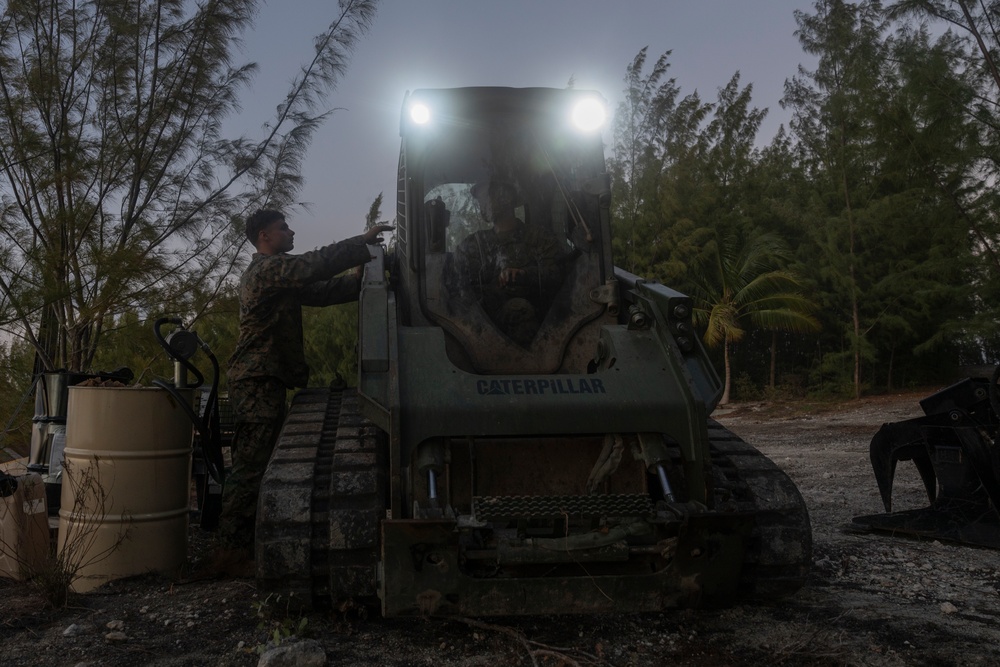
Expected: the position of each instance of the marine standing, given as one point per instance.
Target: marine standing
(269, 357)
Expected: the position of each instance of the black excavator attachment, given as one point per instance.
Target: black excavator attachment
(954, 447)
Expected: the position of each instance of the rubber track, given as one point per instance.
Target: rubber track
(321, 500)
(779, 555)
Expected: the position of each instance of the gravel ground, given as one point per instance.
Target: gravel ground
(871, 600)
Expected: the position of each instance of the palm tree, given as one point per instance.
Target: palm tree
(744, 283)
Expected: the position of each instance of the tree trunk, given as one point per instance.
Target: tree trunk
(892, 357)
(855, 313)
(857, 347)
(725, 390)
(774, 357)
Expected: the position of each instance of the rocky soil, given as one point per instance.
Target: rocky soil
(871, 600)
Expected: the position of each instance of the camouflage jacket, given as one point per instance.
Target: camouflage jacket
(273, 290)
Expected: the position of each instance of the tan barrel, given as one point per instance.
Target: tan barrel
(126, 480)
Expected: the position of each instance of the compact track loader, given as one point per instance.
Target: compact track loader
(534, 444)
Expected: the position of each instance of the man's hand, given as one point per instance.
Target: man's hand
(371, 236)
(510, 277)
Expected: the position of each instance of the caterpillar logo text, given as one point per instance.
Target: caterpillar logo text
(540, 387)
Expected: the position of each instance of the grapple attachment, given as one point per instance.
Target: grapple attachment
(954, 447)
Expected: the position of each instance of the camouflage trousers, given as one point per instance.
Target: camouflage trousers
(259, 411)
(516, 317)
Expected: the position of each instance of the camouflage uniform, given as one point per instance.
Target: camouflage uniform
(269, 359)
(517, 308)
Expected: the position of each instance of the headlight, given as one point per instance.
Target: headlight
(419, 113)
(588, 114)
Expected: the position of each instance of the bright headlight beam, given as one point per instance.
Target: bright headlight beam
(588, 115)
(420, 114)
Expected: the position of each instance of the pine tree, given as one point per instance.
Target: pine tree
(119, 191)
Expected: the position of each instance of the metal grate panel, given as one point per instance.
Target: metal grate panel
(512, 508)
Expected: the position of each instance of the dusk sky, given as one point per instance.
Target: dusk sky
(520, 43)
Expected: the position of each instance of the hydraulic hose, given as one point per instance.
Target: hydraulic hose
(207, 424)
(212, 447)
(591, 540)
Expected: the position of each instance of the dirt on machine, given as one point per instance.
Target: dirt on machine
(530, 432)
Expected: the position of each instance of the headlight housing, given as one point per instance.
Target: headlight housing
(588, 114)
(420, 113)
